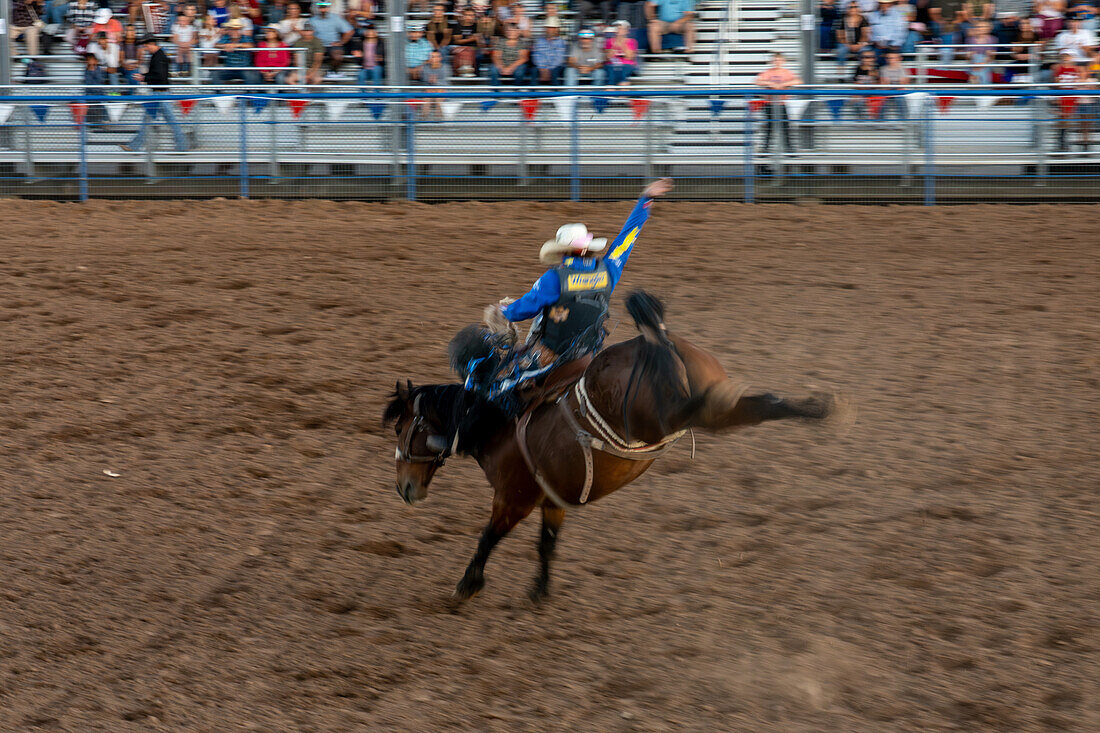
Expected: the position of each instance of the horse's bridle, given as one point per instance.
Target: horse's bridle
(402, 453)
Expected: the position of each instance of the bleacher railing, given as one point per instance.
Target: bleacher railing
(866, 144)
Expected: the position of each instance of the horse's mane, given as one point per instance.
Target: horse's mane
(454, 410)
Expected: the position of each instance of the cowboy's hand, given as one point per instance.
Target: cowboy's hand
(505, 302)
(658, 188)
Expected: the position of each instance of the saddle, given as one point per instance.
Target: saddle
(551, 386)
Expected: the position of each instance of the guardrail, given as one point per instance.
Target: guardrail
(852, 144)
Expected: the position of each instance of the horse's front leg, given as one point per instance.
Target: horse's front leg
(505, 517)
(552, 517)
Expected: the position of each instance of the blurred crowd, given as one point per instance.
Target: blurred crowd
(287, 42)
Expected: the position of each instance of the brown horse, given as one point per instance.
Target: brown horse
(593, 437)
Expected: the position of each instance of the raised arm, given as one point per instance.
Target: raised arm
(623, 244)
(544, 292)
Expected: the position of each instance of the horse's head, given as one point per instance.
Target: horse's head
(421, 443)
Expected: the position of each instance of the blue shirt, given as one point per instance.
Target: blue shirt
(549, 53)
(329, 28)
(671, 11)
(547, 289)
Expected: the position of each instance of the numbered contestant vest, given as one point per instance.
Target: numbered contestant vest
(575, 323)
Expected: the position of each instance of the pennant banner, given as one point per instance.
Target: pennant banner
(258, 104)
(565, 107)
(757, 105)
(5, 112)
(915, 103)
(986, 102)
(115, 110)
(836, 106)
(677, 109)
(1023, 100)
(874, 106)
(944, 104)
(716, 106)
(186, 105)
(335, 108)
(640, 107)
(450, 108)
(600, 104)
(414, 104)
(797, 107)
(80, 111)
(40, 111)
(377, 109)
(1067, 105)
(224, 104)
(488, 104)
(529, 108)
(296, 107)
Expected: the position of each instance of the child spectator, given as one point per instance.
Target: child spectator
(209, 36)
(622, 54)
(374, 59)
(895, 75)
(184, 35)
(108, 54)
(417, 52)
(79, 19)
(465, 40)
(94, 80)
(436, 79)
(778, 76)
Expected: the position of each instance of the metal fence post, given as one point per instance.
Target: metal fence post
(242, 103)
(750, 166)
(149, 118)
(524, 127)
(929, 152)
(575, 153)
(196, 66)
(84, 155)
(28, 155)
(1038, 105)
(647, 131)
(273, 141)
(410, 153)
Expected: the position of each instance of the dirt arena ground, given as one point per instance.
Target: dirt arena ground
(198, 530)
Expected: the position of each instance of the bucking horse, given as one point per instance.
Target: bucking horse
(593, 427)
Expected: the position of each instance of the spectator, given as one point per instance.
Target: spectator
(982, 52)
(1067, 75)
(1049, 15)
(622, 55)
(360, 12)
(417, 52)
(549, 54)
(374, 59)
(274, 59)
(219, 11)
(132, 53)
(671, 16)
(79, 18)
(828, 19)
(586, 61)
(108, 54)
(315, 55)
(439, 30)
(290, 27)
(510, 57)
(895, 75)
(251, 12)
(436, 78)
(34, 72)
(1023, 51)
(25, 21)
(464, 40)
(276, 13)
(184, 35)
(157, 78)
(333, 31)
(866, 74)
(54, 13)
(1076, 40)
(209, 36)
(777, 76)
(520, 20)
(1007, 27)
(104, 22)
(237, 58)
(248, 30)
(853, 34)
(95, 79)
(487, 29)
(889, 26)
(598, 9)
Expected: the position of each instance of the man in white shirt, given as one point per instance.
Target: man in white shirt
(1075, 40)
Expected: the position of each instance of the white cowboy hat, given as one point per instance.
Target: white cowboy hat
(102, 16)
(571, 239)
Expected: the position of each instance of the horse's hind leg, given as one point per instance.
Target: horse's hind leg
(504, 519)
(552, 517)
(726, 406)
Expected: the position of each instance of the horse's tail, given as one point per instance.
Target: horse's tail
(658, 364)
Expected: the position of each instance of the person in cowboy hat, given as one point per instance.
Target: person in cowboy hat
(570, 300)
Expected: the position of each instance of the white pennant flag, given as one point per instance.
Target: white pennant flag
(915, 102)
(450, 109)
(797, 107)
(336, 107)
(5, 112)
(224, 103)
(565, 107)
(115, 110)
(986, 102)
(677, 109)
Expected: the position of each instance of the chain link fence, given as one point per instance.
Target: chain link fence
(838, 144)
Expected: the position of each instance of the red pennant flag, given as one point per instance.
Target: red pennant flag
(757, 105)
(944, 104)
(529, 107)
(80, 109)
(186, 105)
(874, 106)
(640, 107)
(296, 106)
(1067, 105)
(414, 103)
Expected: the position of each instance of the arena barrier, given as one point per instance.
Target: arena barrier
(844, 144)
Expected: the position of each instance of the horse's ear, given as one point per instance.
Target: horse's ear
(400, 391)
(409, 382)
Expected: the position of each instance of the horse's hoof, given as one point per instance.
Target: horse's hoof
(538, 593)
(467, 588)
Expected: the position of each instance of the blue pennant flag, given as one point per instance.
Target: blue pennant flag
(600, 104)
(835, 107)
(488, 104)
(258, 104)
(716, 106)
(1022, 101)
(377, 109)
(40, 111)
